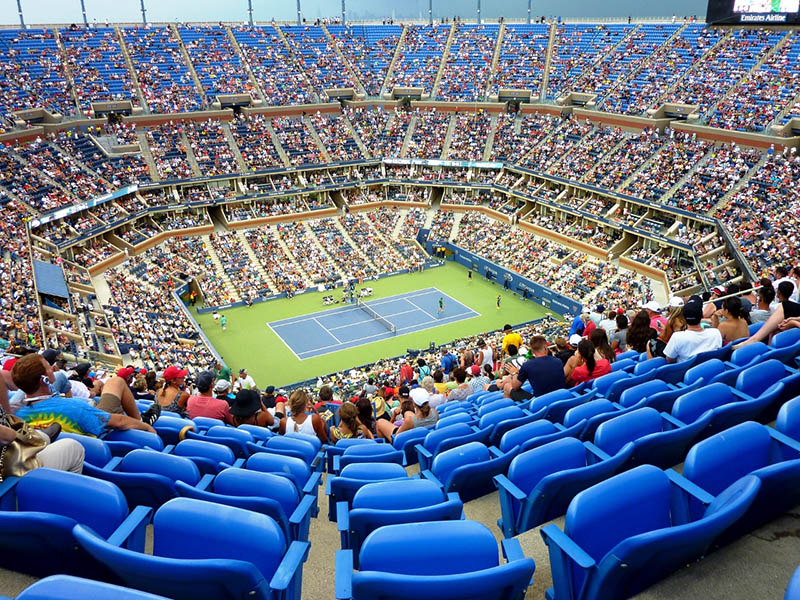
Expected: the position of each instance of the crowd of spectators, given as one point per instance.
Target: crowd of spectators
(282, 268)
(246, 277)
(592, 148)
(428, 137)
(561, 140)
(322, 65)
(469, 136)
(369, 50)
(520, 64)
(216, 63)
(169, 151)
(515, 135)
(419, 57)
(336, 137)
(297, 142)
(465, 74)
(210, 147)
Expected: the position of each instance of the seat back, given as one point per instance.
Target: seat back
(587, 411)
(706, 371)
(746, 354)
(371, 453)
(449, 420)
(528, 469)
(206, 423)
(434, 439)
(787, 338)
(259, 433)
(448, 461)
(721, 459)
(628, 504)
(755, 380)
(497, 416)
(186, 528)
(602, 384)
(176, 468)
(222, 431)
(311, 439)
(623, 365)
(612, 435)
(639, 392)
(244, 482)
(203, 449)
(96, 451)
(495, 405)
(292, 446)
(92, 502)
(169, 428)
(523, 433)
(142, 439)
(287, 466)
(691, 405)
(649, 365)
(66, 587)
(398, 494)
(440, 548)
(545, 400)
(788, 421)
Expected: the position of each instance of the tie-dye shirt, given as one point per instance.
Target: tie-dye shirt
(74, 416)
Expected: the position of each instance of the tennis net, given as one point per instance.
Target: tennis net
(371, 312)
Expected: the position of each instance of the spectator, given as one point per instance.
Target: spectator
(583, 366)
(438, 382)
(117, 398)
(545, 374)
(657, 321)
(204, 404)
(173, 396)
(300, 421)
(562, 351)
(41, 408)
(735, 326)
(223, 372)
(222, 391)
(349, 425)
(640, 332)
(600, 342)
(245, 382)
(684, 345)
(485, 354)
(462, 390)
(422, 416)
(762, 310)
(423, 370)
(436, 399)
(781, 317)
(366, 414)
(511, 337)
(247, 409)
(481, 378)
(448, 363)
(619, 339)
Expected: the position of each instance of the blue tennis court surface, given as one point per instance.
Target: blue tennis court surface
(349, 326)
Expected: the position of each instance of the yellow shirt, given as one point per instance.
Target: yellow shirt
(512, 338)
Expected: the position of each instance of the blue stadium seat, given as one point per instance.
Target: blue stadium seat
(439, 440)
(343, 487)
(66, 587)
(468, 469)
(535, 434)
(444, 560)
(368, 453)
(788, 421)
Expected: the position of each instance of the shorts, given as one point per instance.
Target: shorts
(520, 395)
(110, 403)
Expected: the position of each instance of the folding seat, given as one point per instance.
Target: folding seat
(39, 511)
(343, 487)
(460, 417)
(788, 421)
(657, 438)
(655, 394)
(206, 423)
(539, 405)
(172, 430)
(494, 405)
(442, 560)
(499, 421)
(613, 389)
(649, 364)
(96, 451)
(338, 449)
(630, 354)
(625, 364)
(627, 533)
(392, 502)
(368, 453)
(784, 346)
(793, 589)
(674, 373)
(468, 469)
(298, 447)
(748, 449)
(407, 441)
(703, 372)
(537, 433)
(260, 434)
(722, 354)
(120, 442)
(66, 587)
(542, 482)
(209, 457)
(741, 359)
(270, 494)
(206, 550)
(235, 439)
(588, 411)
(439, 440)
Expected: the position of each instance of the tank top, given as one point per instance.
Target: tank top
(304, 428)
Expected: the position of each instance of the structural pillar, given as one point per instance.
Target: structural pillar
(430, 12)
(344, 13)
(250, 11)
(144, 13)
(21, 17)
(479, 12)
(83, 11)
(299, 20)
(529, 12)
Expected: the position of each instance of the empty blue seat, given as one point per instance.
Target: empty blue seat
(657, 439)
(342, 445)
(392, 502)
(173, 429)
(66, 587)
(788, 421)
(542, 482)
(343, 487)
(747, 449)
(41, 508)
(793, 589)
(704, 372)
(624, 534)
(367, 453)
(295, 469)
(445, 438)
(443, 560)
(468, 469)
(209, 457)
(296, 446)
(535, 434)
(207, 550)
(459, 417)
(499, 421)
(407, 441)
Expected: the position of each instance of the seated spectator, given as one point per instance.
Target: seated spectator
(657, 343)
(600, 342)
(481, 378)
(436, 398)
(657, 321)
(41, 408)
(781, 317)
(300, 420)
(173, 395)
(423, 415)
(140, 389)
(562, 351)
(640, 332)
(244, 382)
(684, 345)
(248, 409)
(222, 391)
(763, 307)
(349, 425)
(583, 366)
(204, 404)
(511, 337)
(462, 390)
(438, 382)
(545, 373)
(64, 455)
(366, 415)
(117, 398)
(735, 325)
(620, 336)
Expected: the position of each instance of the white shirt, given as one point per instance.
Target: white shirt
(246, 383)
(794, 295)
(486, 357)
(683, 345)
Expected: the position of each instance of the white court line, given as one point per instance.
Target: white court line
(284, 341)
(328, 331)
(423, 310)
(365, 340)
(371, 320)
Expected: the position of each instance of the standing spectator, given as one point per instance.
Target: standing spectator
(684, 345)
(510, 337)
(448, 363)
(223, 372)
(485, 354)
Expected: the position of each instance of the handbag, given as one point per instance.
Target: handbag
(19, 457)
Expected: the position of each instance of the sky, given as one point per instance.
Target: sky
(69, 11)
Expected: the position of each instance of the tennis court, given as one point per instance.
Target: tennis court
(348, 326)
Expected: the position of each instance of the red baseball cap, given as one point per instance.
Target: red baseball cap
(126, 372)
(476, 370)
(174, 372)
(9, 364)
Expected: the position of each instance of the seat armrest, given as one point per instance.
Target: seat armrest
(131, 532)
(8, 493)
(426, 474)
(300, 519)
(337, 463)
(205, 482)
(512, 550)
(505, 485)
(344, 574)
(342, 516)
(676, 423)
(168, 449)
(313, 483)
(424, 456)
(496, 452)
(553, 536)
(783, 439)
(238, 463)
(318, 463)
(303, 508)
(112, 464)
(292, 561)
(601, 454)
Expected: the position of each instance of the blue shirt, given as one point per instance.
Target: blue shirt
(577, 326)
(74, 415)
(545, 374)
(448, 363)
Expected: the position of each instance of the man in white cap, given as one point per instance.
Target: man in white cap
(657, 322)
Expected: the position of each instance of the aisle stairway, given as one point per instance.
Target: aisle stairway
(256, 262)
(220, 270)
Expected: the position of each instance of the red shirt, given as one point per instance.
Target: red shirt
(207, 406)
(590, 327)
(581, 373)
(406, 374)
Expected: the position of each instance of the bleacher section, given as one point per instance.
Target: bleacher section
(521, 60)
(466, 71)
(217, 64)
(420, 57)
(369, 50)
(322, 65)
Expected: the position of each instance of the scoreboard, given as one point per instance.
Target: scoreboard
(756, 12)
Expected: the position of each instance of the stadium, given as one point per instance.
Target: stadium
(416, 306)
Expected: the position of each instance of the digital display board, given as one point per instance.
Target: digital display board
(755, 12)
